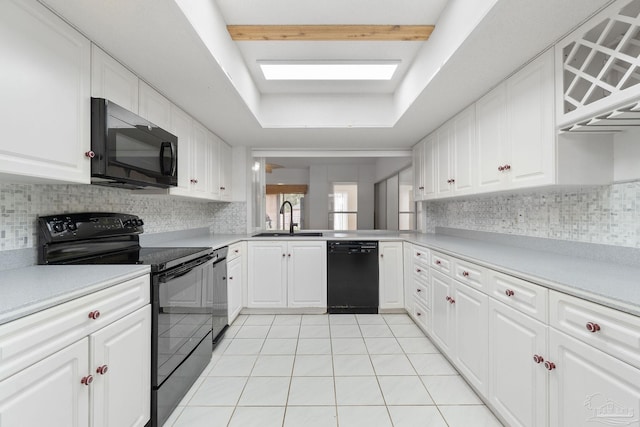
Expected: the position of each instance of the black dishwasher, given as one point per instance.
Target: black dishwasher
(352, 276)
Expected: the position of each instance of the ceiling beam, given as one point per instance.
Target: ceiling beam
(330, 32)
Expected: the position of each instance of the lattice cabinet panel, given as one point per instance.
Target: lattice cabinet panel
(600, 64)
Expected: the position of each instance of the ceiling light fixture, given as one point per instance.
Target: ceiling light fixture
(368, 70)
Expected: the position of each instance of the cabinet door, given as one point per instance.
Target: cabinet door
(234, 288)
(429, 167)
(307, 274)
(588, 387)
(472, 336)
(418, 165)
(462, 148)
(267, 281)
(407, 249)
(111, 80)
(225, 171)
(517, 384)
(391, 277)
(153, 106)
(216, 164)
(180, 126)
(200, 161)
(49, 393)
(121, 365)
(45, 86)
(443, 162)
(442, 318)
(530, 124)
(491, 139)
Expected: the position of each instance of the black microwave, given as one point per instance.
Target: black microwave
(128, 151)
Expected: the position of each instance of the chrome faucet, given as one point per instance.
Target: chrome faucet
(291, 223)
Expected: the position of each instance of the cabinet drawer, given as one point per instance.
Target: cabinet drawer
(421, 293)
(609, 330)
(421, 273)
(421, 315)
(441, 263)
(470, 274)
(421, 256)
(236, 250)
(525, 296)
(34, 337)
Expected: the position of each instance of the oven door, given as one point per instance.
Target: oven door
(182, 315)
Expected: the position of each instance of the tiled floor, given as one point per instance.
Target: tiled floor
(329, 370)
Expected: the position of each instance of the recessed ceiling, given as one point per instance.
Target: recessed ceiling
(182, 48)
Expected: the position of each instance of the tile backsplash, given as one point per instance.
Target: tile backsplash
(605, 214)
(20, 205)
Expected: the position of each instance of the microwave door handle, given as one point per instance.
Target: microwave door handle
(172, 169)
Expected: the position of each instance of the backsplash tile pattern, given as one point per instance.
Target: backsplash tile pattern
(605, 214)
(20, 205)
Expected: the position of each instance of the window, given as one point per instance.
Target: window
(275, 197)
(343, 206)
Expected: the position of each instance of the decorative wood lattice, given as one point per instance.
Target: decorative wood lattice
(604, 59)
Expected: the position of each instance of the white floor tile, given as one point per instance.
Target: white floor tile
(450, 390)
(284, 331)
(314, 346)
(342, 319)
(253, 331)
(265, 391)
(315, 319)
(431, 364)
(260, 319)
(192, 390)
(406, 331)
(310, 416)
(370, 319)
(361, 416)
(273, 366)
(376, 331)
(279, 346)
(287, 320)
(257, 416)
(392, 364)
(418, 416)
(203, 416)
(383, 346)
(218, 391)
(345, 331)
(404, 390)
(313, 366)
(240, 319)
(233, 366)
(397, 319)
(311, 391)
(348, 346)
(314, 331)
(214, 359)
(173, 417)
(417, 345)
(352, 364)
(358, 391)
(232, 331)
(469, 415)
(244, 346)
(222, 345)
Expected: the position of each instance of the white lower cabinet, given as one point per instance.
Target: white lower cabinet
(287, 274)
(442, 315)
(234, 288)
(82, 363)
(589, 387)
(48, 393)
(517, 384)
(391, 275)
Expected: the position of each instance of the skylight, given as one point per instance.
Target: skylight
(329, 70)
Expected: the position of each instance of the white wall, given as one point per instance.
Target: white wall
(387, 166)
(288, 176)
(321, 178)
(626, 156)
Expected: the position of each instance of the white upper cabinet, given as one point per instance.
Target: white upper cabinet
(181, 126)
(424, 171)
(215, 173)
(491, 127)
(45, 105)
(225, 171)
(462, 147)
(443, 162)
(153, 106)
(112, 80)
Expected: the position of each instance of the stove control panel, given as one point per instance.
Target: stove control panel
(77, 226)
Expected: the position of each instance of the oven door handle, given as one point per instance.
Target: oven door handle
(165, 277)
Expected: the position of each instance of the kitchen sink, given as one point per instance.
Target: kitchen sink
(285, 234)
